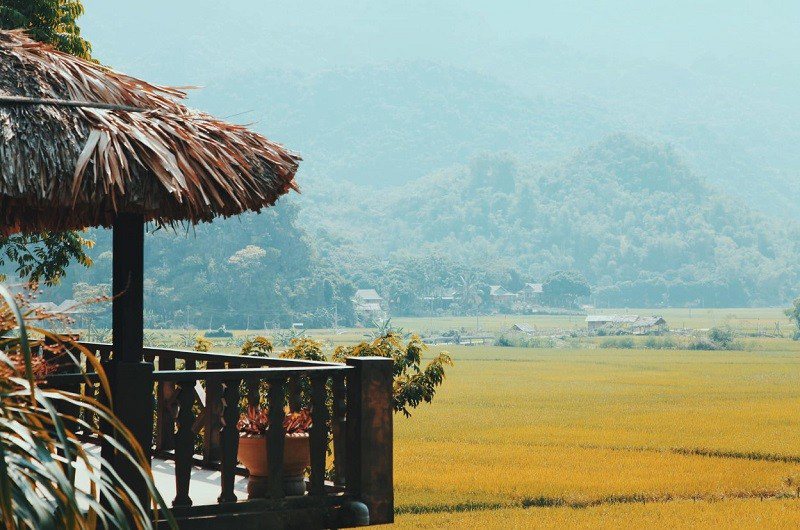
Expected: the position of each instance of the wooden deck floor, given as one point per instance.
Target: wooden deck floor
(204, 488)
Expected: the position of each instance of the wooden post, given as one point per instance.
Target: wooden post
(229, 440)
(184, 444)
(276, 437)
(369, 436)
(131, 380)
(339, 429)
(132, 392)
(128, 287)
(319, 433)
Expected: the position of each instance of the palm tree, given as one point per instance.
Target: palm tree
(468, 289)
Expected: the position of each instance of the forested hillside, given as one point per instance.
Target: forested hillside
(626, 213)
(256, 271)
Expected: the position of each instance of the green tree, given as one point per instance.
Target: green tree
(44, 257)
(50, 21)
(413, 384)
(794, 315)
(565, 287)
(469, 288)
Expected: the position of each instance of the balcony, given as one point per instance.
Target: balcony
(197, 399)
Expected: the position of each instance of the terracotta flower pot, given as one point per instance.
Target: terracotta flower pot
(296, 458)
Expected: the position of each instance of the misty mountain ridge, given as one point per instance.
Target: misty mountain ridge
(628, 213)
(385, 124)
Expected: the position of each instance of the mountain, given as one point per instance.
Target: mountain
(627, 213)
(389, 124)
(382, 94)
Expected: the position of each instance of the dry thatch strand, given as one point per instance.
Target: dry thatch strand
(67, 166)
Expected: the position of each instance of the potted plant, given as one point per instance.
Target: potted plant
(253, 428)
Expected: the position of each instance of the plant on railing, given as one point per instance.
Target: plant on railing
(202, 344)
(412, 383)
(40, 453)
(257, 347)
(305, 349)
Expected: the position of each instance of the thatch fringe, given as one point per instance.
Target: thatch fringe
(65, 167)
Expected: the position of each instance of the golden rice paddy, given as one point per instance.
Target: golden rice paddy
(594, 438)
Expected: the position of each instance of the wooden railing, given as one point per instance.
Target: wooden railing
(198, 394)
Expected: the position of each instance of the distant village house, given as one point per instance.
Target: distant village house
(523, 328)
(531, 293)
(441, 301)
(501, 295)
(630, 323)
(369, 305)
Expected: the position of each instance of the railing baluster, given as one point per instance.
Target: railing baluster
(339, 429)
(211, 421)
(94, 390)
(276, 437)
(184, 444)
(165, 415)
(319, 433)
(229, 439)
(295, 401)
(253, 393)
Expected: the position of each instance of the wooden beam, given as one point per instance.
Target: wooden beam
(23, 100)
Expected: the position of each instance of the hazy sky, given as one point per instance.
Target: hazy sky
(717, 78)
(171, 38)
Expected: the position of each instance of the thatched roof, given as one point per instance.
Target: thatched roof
(71, 165)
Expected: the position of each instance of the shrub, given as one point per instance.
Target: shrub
(525, 342)
(257, 347)
(540, 342)
(504, 341)
(413, 384)
(624, 343)
(703, 344)
(721, 336)
(655, 343)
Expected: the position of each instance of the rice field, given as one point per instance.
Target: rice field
(589, 437)
(742, 319)
(605, 438)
